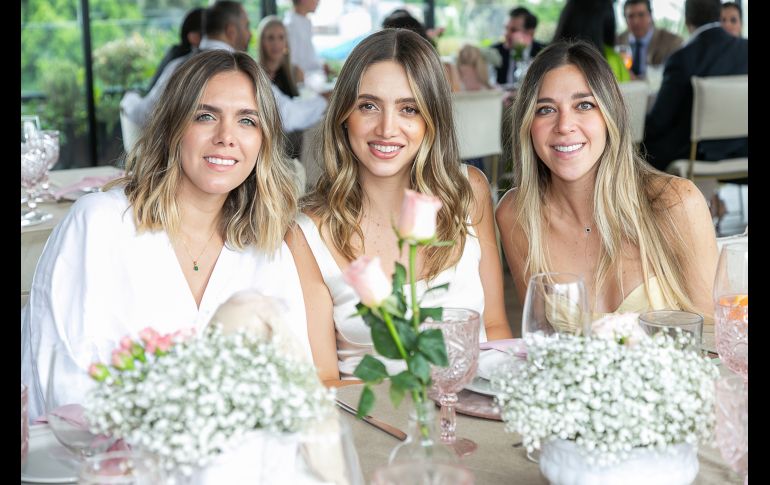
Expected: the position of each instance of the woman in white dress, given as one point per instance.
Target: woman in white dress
(389, 128)
(200, 214)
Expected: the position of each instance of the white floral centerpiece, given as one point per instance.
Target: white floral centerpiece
(190, 398)
(610, 393)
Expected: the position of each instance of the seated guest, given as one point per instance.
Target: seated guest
(389, 128)
(586, 203)
(189, 38)
(593, 21)
(710, 51)
(473, 69)
(200, 214)
(274, 56)
(519, 33)
(732, 18)
(650, 45)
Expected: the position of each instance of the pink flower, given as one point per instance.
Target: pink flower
(126, 343)
(122, 359)
(366, 277)
(164, 343)
(98, 371)
(183, 334)
(148, 335)
(623, 328)
(417, 221)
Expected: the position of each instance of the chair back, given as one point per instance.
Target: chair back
(129, 130)
(720, 107)
(738, 238)
(478, 120)
(635, 95)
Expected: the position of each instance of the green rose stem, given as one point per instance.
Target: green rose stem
(415, 303)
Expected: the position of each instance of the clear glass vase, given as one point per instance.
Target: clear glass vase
(423, 443)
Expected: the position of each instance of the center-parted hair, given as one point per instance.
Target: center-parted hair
(627, 203)
(337, 198)
(256, 213)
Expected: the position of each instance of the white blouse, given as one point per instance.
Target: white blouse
(354, 339)
(98, 280)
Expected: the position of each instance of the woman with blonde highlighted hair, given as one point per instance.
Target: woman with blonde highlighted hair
(274, 56)
(389, 128)
(585, 202)
(200, 215)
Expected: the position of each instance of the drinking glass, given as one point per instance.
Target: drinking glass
(67, 388)
(34, 163)
(684, 326)
(460, 328)
(732, 422)
(421, 473)
(626, 54)
(327, 453)
(131, 467)
(555, 303)
(731, 307)
(50, 140)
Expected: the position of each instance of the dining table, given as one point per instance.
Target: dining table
(499, 458)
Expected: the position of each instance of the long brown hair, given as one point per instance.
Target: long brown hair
(337, 198)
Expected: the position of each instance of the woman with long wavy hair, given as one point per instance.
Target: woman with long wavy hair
(585, 202)
(389, 128)
(200, 214)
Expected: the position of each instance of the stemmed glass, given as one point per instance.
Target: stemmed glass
(51, 143)
(67, 388)
(34, 163)
(731, 308)
(555, 303)
(626, 54)
(732, 422)
(126, 467)
(460, 328)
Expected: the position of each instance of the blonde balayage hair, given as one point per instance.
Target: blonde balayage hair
(337, 198)
(259, 211)
(627, 202)
(285, 67)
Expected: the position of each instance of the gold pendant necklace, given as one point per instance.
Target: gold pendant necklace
(195, 260)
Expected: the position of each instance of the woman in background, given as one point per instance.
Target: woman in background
(731, 18)
(274, 56)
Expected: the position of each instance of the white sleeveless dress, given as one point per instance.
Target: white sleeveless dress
(354, 338)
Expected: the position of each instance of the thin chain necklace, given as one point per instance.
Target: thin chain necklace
(195, 260)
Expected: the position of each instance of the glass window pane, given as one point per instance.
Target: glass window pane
(52, 74)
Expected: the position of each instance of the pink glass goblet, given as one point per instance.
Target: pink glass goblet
(460, 328)
(732, 422)
(731, 308)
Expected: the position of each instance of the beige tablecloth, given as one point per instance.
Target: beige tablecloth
(495, 461)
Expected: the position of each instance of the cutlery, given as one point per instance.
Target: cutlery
(391, 430)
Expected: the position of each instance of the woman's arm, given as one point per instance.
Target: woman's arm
(318, 307)
(693, 219)
(490, 269)
(513, 243)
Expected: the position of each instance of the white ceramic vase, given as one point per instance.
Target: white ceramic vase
(562, 464)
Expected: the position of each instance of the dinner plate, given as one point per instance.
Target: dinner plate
(479, 385)
(47, 460)
(490, 361)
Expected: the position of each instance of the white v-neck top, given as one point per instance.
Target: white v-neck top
(354, 338)
(98, 280)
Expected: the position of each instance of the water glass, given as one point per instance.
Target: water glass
(130, 467)
(24, 424)
(626, 54)
(422, 472)
(675, 323)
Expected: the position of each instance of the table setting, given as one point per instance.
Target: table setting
(627, 398)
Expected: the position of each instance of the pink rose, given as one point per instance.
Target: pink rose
(623, 328)
(148, 335)
(122, 359)
(126, 343)
(366, 277)
(98, 371)
(164, 343)
(417, 221)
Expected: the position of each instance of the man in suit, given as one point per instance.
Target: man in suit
(519, 29)
(710, 51)
(650, 45)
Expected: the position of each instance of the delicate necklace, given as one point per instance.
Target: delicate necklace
(195, 260)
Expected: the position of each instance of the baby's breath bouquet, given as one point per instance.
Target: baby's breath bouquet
(188, 398)
(609, 394)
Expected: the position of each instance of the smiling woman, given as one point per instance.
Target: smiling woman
(586, 203)
(200, 215)
(389, 128)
